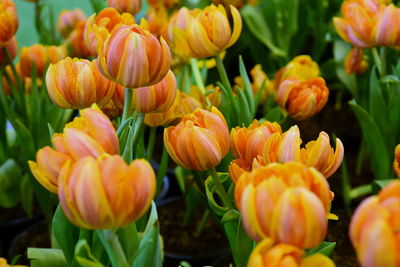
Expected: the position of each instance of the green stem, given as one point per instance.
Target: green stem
(383, 61)
(380, 61)
(220, 189)
(138, 129)
(360, 191)
(150, 145)
(202, 223)
(38, 23)
(127, 104)
(162, 171)
(113, 248)
(198, 79)
(222, 73)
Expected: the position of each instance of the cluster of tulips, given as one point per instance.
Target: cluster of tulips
(124, 74)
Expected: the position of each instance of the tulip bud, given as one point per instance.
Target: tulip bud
(295, 201)
(355, 61)
(12, 47)
(203, 33)
(39, 55)
(98, 27)
(265, 254)
(199, 141)
(77, 44)
(77, 83)
(68, 20)
(106, 193)
(302, 99)
(156, 22)
(248, 143)
(183, 104)
(396, 162)
(155, 98)
(91, 134)
(129, 6)
(374, 228)
(9, 20)
(239, 166)
(318, 154)
(47, 167)
(145, 60)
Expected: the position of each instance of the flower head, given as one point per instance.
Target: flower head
(9, 20)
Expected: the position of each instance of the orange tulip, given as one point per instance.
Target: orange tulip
(368, 23)
(203, 33)
(374, 228)
(98, 27)
(47, 167)
(318, 154)
(214, 97)
(77, 44)
(145, 60)
(182, 105)
(39, 55)
(9, 20)
(239, 166)
(396, 162)
(68, 20)
(168, 4)
(77, 83)
(129, 6)
(295, 201)
(248, 143)
(91, 134)
(155, 98)
(156, 22)
(199, 141)
(302, 99)
(12, 47)
(265, 254)
(106, 193)
(355, 61)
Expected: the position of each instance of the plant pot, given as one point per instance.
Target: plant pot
(180, 242)
(12, 222)
(36, 235)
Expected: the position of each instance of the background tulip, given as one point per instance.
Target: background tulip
(12, 47)
(106, 193)
(129, 6)
(9, 20)
(199, 141)
(68, 21)
(134, 58)
(77, 44)
(396, 162)
(355, 61)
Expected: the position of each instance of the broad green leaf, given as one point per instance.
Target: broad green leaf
(84, 255)
(377, 105)
(129, 239)
(46, 257)
(375, 142)
(211, 190)
(26, 192)
(245, 244)
(230, 216)
(10, 180)
(325, 248)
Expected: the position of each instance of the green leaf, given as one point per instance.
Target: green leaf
(245, 113)
(129, 240)
(211, 191)
(27, 191)
(65, 234)
(84, 256)
(150, 252)
(10, 180)
(377, 105)
(46, 257)
(340, 49)
(248, 91)
(375, 142)
(325, 248)
(230, 216)
(378, 185)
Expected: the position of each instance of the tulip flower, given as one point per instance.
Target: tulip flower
(396, 162)
(77, 44)
(39, 55)
(129, 6)
(156, 22)
(214, 96)
(145, 60)
(266, 254)
(106, 193)
(168, 4)
(77, 83)
(260, 82)
(12, 47)
(239, 166)
(355, 61)
(318, 154)
(248, 143)
(183, 104)
(98, 27)
(91, 134)
(203, 33)
(9, 20)
(368, 23)
(374, 228)
(301, 67)
(68, 20)
(199, 141)
(302, 99)
(286, 202)
(47, 167)
(155, 98)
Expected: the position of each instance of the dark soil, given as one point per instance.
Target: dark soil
(180, 242)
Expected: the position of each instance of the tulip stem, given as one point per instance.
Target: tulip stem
(360, 191)
(113, 247)
(150, 144)
(222, 73)
(380, 60)
(138, 129)
(220, 188)
(202, 223)
(198, 79)
(127, 104)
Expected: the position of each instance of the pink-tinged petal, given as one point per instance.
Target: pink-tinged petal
(289, 149)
